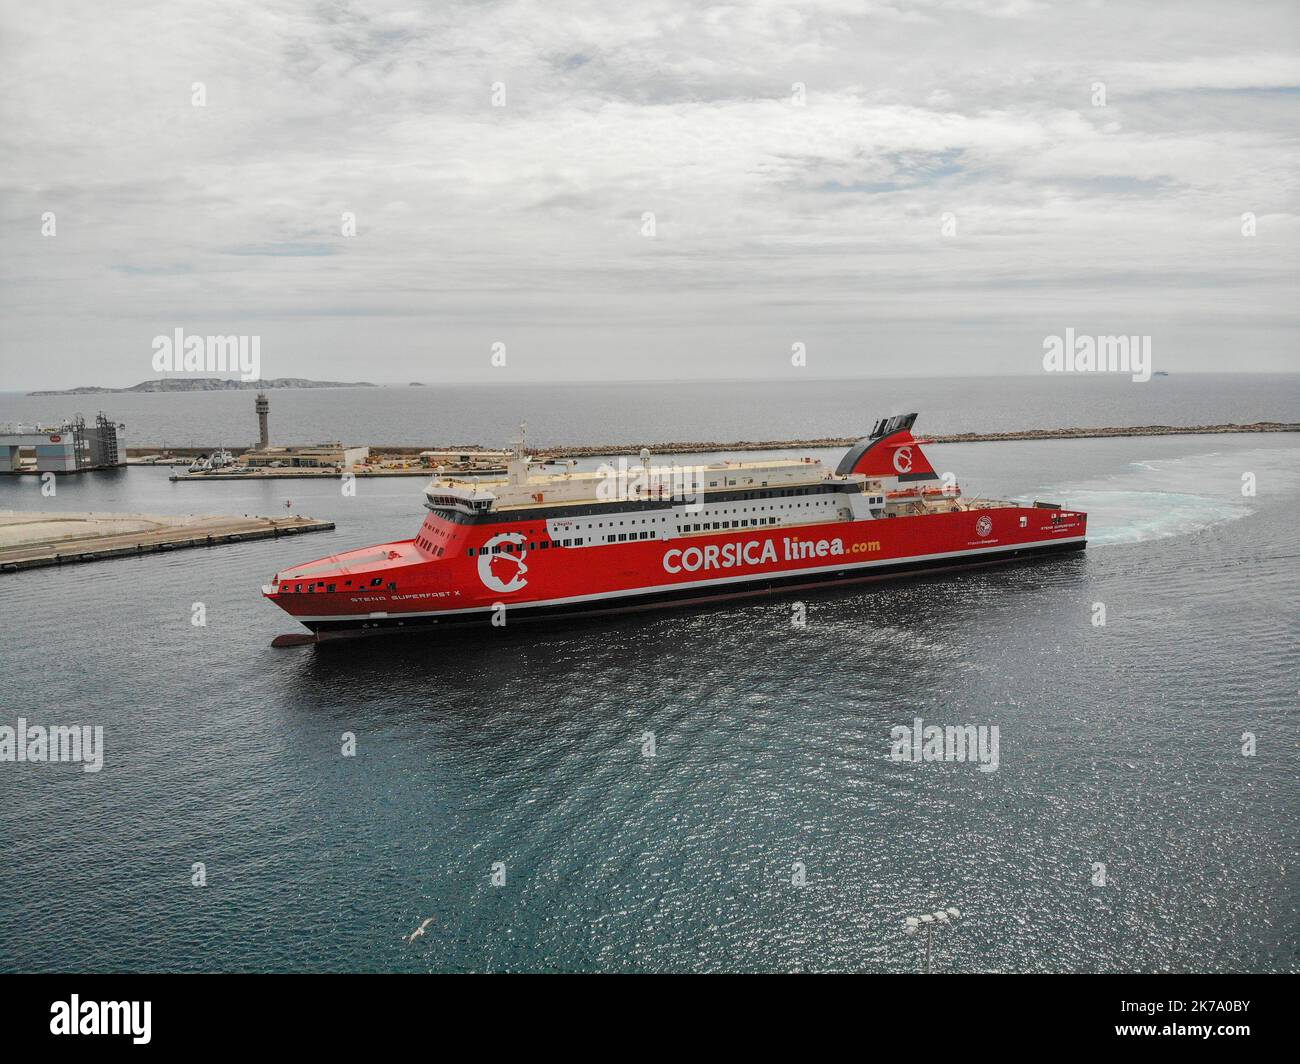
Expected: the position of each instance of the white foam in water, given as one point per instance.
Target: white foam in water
(1175, 496)
(1135, 516)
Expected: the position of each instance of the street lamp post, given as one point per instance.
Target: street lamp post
(942, 918)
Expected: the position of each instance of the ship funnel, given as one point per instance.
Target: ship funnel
(890, 451)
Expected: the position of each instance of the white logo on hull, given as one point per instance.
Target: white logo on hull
(492, 566)
(984, 525)
(751, 552)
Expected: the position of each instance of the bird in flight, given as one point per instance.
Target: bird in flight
(419, 931)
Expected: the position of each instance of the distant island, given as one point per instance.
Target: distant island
(209, 384)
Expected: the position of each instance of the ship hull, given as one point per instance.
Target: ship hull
(581, 545)
(701, 594)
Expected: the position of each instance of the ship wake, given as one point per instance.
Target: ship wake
(1156, 498)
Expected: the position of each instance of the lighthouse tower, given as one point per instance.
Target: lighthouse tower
(263, 409)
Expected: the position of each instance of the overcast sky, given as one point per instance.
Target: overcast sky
(775, 223)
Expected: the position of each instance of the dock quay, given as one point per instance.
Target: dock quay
(699, 447)
(304, 474)
(32, 539)
(409, 461)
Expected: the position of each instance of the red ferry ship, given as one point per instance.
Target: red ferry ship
(534, 544)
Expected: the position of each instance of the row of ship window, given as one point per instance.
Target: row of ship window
(704, 526)
(425, 541)
(435, 551)
(618, 537)
(428, 545)
(320, 585)
(709, 525)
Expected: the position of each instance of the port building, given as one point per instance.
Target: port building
(331, 455)
(316, 456)
(71, 446)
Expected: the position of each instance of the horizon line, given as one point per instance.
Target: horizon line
(489, 382)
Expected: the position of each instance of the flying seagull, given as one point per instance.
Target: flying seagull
(418, 931)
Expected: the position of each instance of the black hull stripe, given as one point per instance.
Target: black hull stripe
(680, 597)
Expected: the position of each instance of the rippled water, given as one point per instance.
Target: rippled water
(1119, 744)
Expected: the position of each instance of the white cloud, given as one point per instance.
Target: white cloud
(773, 220)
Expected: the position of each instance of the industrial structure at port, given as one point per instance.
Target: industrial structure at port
(325, 459)
(72, 446)
(332, 455)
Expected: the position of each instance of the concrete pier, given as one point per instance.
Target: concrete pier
(394, 455)
(706, 447)
(31, 539)
(298, 474)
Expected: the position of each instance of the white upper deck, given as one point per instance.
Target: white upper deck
(524, 486)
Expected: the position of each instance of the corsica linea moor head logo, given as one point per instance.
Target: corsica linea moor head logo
(984, 525)
(903, 459)
(503, 572)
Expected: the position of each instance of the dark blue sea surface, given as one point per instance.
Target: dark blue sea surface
(1119, 745)
(663, 411)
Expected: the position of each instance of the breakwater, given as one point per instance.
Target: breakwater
(707, 447)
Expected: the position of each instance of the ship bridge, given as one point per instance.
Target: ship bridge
(448, 497)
